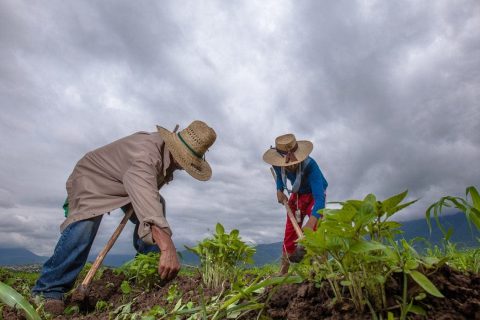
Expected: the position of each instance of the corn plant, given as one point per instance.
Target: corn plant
(221, 256)
(470, 208)
(12, 298)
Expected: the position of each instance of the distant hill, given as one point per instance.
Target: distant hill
(19, 256)
(463, 235)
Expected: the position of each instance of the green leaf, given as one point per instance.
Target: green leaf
(400, 207)
(411, 265)
(219, 229)
(417, 310)
(125, 287)
(365, 246)
(475, 197)
(426, 284)
(12, 298)
(345, 214)
(393, 201)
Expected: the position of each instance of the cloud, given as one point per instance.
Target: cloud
(387, 91)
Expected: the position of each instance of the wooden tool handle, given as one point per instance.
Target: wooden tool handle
(98, 261)
(294, 222)
(290, 215)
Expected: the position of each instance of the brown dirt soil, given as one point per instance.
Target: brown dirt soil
(306, 301)
(108, 289)
(293, 301)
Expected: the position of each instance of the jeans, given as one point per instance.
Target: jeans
(71, 252)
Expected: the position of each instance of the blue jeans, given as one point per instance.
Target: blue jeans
(71, 252)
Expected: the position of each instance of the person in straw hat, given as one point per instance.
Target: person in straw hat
(291, 161)
(127, 174)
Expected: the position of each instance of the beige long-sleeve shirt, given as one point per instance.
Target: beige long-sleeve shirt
(129, 170)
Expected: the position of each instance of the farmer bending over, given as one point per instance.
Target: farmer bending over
(291, 162)
(127, 173)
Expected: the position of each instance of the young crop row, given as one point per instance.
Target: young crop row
(354, 251)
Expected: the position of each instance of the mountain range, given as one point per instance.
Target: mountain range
(464, 235)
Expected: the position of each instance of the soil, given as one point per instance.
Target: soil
(307, 301)
(294, 301)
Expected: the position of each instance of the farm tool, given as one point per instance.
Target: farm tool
(299, 253)
(82, 290)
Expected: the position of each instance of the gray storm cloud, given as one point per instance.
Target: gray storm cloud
(388, 92)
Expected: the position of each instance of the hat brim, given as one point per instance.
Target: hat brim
(196, 167)
(271, 156)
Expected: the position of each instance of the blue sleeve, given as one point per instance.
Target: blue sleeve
(278, 173)
(318, 184)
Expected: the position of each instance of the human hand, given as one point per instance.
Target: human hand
(311, 223)
(168, 264)
(281, 197)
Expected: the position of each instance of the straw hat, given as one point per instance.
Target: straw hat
(288, 151)
(188, 148)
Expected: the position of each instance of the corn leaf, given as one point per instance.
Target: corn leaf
(475, 197)
(12, 298)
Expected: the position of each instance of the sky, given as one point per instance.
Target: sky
(387, 91)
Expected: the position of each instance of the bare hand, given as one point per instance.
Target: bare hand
(168, 264)
(281, 197)
(311, 223)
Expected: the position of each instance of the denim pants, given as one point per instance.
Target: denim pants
(71, 252)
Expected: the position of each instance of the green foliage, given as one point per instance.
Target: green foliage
(124, 312)
(125, 287)
(359, 239)
(470, 208)
(462, 260)
(221, 255)
(102, 306)
(143, 270)
(12, 298)
(173, 293)
(71, 310)
(20, 280)
(154, 313)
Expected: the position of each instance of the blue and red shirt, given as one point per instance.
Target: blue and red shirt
(312, 182)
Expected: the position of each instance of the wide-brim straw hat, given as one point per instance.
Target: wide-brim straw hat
(188, 148)
(287, 151)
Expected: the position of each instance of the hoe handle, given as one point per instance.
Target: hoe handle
(82, 290)
(290, 215)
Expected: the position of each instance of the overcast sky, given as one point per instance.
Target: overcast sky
(387, 91)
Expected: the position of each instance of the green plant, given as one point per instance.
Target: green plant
(15, 300)
(154, 313)
(125, 287)
(471, 209)
(405, 260)
(101, 306)
(173, 293)
(221, 255)
(71, 310)
(355, 236)
(143, 270)
(124, 312)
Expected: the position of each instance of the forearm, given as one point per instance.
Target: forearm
(162, 239)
